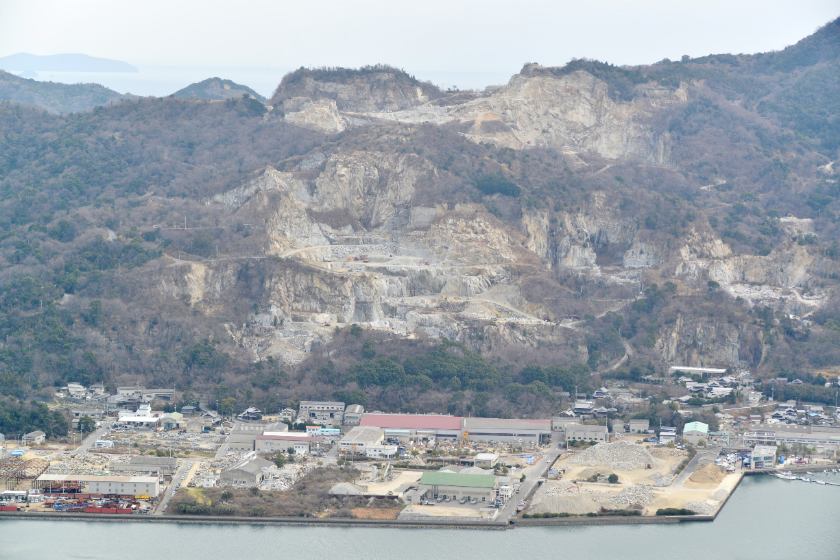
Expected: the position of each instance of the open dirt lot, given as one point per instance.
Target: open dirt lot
(382, 488)
(365, 513)
(572, 495)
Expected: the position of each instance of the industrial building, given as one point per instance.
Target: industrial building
(244, 437)
(818, 438)
(694, 432)
(353, 414)
(137, 486)
(34, 438)
(327, 413)
(667, 434)
(486, 460)
(145, 463)
(433, 485)
(559, 423)
(419, 426)
(763, 457)
(248, 473)
(299, 442)
(172, 421)
(143, 418)
(403, 427)
(381, 451)
(512, 431)
(358, 439)
(583, 432)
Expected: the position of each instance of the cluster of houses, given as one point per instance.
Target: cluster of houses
(96, 395)
(791, 412)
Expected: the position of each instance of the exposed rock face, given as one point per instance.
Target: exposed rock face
(385, 91)
(573, 110)
(373, 188)
(445, 269)
(702, 343)
(373, 248)
(642, 255)
(317, 115)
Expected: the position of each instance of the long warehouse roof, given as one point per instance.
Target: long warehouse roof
(506, 424)
(93, 478)
(412, 421)
(290, 438)
(459, 480)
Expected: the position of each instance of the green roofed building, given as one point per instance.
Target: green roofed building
(695, 431)
(443, 485)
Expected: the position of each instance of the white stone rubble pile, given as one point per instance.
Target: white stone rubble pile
(640, 495)
(619, 456)
(700, 508)
(660, 479)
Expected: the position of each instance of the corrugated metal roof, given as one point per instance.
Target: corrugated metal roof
(500, 424)
(251, 466)
(586, 428)
(363, 434)
(412, 421)
(696, 427)
(93, 478)
(286, 437)
(459, 480)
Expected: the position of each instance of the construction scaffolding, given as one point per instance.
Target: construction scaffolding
(14, 470)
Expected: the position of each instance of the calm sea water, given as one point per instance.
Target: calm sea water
(766, 518)
(163, 80)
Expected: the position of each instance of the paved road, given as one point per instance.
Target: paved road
(90, 440)
(702, 458)
(532, 476)
(167, 494)
(224, 447)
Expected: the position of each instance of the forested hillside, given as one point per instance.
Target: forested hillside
(55, 97)
(367, 237)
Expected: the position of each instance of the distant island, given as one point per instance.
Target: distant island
(25, 62)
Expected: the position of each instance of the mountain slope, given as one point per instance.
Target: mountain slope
(55, 97)
(376, 240)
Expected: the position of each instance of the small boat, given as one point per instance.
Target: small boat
(820, 481)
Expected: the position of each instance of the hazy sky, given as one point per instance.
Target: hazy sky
(450, 35)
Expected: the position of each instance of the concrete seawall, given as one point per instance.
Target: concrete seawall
(224, 520)
(813, 467)
(611, 520)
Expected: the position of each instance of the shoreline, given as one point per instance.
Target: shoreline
(395, 523)
(377, 523)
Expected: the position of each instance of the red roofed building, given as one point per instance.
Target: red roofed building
(419, 425)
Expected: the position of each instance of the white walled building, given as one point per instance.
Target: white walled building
(136, 486)
(381, 451)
